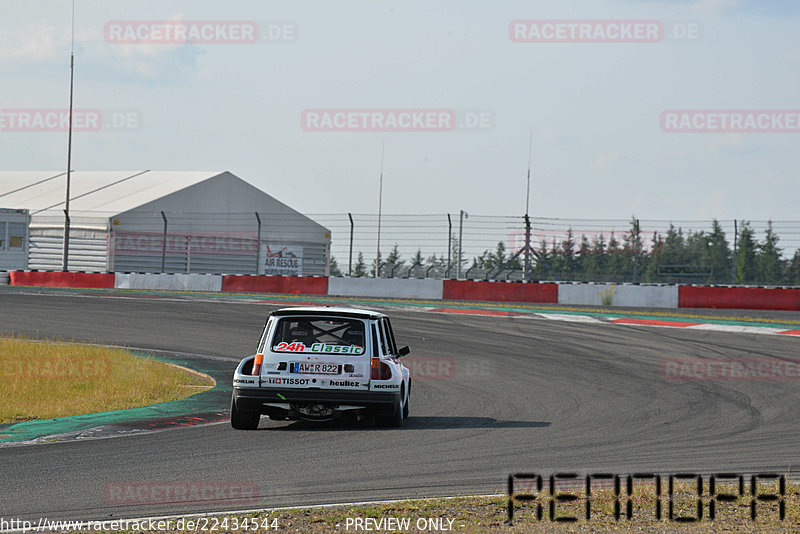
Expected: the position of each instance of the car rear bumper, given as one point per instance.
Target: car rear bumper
(251, 399)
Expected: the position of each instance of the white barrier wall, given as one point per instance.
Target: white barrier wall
(169, 282)
(386, 287)
(640, 296)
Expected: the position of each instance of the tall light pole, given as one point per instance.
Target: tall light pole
(527, 261)
(65, 252)
(463, 215)
(380, 201)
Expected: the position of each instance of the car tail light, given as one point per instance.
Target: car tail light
(380, 371)
(257, 364)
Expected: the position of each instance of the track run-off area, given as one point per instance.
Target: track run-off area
(508, 390)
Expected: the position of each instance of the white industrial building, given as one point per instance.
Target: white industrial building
(155, 221)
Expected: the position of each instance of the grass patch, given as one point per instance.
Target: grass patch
(48, 379)
(488, 514)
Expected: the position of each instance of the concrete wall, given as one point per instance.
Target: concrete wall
(386, 287)
(169, 282)
(637, 296)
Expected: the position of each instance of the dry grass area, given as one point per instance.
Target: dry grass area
(489, 514)
(44, 380)
(478, 515)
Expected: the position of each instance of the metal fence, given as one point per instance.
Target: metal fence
(435, 238)
(455, 245)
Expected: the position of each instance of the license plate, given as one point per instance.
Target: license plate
(316, 368)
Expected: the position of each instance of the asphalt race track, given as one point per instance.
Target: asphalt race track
(521, 394)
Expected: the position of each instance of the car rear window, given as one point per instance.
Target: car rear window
(319, 335)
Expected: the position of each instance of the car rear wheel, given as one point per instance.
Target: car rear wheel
(396, 419)
(408, 400)
(243, 420)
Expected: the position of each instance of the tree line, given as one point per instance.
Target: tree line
(675, 257)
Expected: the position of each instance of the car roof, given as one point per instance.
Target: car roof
(328, 311)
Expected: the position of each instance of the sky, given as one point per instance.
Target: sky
(595, 110)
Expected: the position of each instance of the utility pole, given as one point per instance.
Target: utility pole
(65, 251)
(527, 261)
(380, 201)
(461, 218)
(527, 251)
(449, 244)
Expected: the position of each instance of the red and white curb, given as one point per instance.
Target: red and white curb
(626, 321)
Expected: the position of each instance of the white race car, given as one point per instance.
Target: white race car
(321, 363)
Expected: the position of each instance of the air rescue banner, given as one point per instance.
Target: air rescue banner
(281, 260)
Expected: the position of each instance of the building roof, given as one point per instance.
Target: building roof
(109, 192)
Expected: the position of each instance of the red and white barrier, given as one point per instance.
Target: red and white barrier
(500, 291)
(292, 285)
(59, 279)
(628, 295)
(752, 298)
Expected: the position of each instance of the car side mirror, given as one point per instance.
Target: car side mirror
(403, 351)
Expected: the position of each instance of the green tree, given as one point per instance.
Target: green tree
(633, 251)
(793, 274)
(599, 257)
(674, 252)
(585, 260)
(655, 258)
(556, 259)
(498, 258)
(379, 263)
(746, 266)
(539, 270)
(697, 244)
(394, 257)
(454, 248)
(718, 254)
(615, 268)
(770, 266)
(416, 261)
(569, 263)
(333, 268)
(360, 268)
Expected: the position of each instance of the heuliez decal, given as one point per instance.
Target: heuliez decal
(344, 383)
